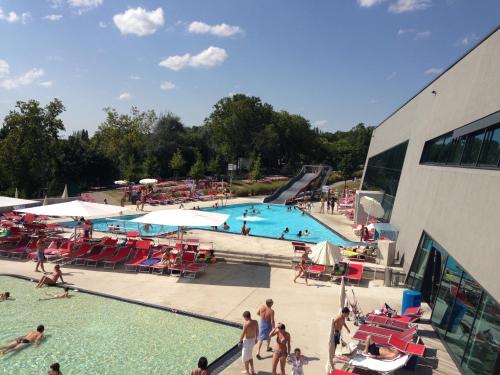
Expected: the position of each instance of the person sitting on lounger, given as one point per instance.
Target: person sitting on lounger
(23, 341)
(379, 352)
(52, 279)
(4, 296)
(65, 294)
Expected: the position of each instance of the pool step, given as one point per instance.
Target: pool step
(267, 260)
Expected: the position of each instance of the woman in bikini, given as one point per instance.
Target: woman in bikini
(282, 348)
(302, 269)
(52, 279)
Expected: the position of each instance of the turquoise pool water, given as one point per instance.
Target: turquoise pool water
(90, 335)
(269, 222)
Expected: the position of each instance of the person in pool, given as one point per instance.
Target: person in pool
(23, 341)
(52, 279)
(226, 227)
(202, 367)
(4, 296)
(299, 234)
(282, 348)
(306, 233)
(65, 294)
(54, 369)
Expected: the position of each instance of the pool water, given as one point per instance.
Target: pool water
(88, 335)
(272, 220)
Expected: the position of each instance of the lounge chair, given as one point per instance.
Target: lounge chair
(354, 272)
(6, 248)
(315, 271)
(121, 256)
(191, 270)
(106, 253)
(406, 335)
(381, 366)
(80, 252)
(22, 252)
(385, 321)
(63, 250)
(342, 372)
(140, 256)
(407, 347)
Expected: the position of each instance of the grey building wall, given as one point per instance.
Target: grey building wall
(458, 207)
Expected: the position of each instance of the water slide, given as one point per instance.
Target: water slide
(308, 176)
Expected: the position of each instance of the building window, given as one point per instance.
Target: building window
(465, 316)
(382, 174)
(476, 145)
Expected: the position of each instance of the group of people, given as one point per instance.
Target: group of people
(254, 332)
(329, 201)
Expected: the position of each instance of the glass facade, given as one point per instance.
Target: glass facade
(466, 317)
(382, 174)
(478, 149)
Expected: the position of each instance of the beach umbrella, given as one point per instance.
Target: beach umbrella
(12, 202)
(45, 201)
(148, 181)
(16, 194)
(372, 207)
(325, 253)
(342, 294)
(65, 192)
(121, 182)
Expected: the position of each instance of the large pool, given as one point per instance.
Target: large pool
(270, 221)
(88, 335)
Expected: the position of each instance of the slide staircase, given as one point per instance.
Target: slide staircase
(310, 177)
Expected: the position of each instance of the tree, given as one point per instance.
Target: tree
(255, 170)
(29, 146)
(177, 162)
(197, 170)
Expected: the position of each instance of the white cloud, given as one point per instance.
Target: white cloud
(84, 5)
(102, 24)
(22, 80)
(222, 30)
(46, 83)
(369, 3)
(55, 3)
(373, 101)
(134, 78)
(139, 21)
(468, 39)
(320, 124)
(4, 68)
(392, 75)
(53, 17)
(210, 57)
(124, 96)
(13, 17)
(402, 6)
(423, 34)
(433, 71)
(405, 31)
(166, 85)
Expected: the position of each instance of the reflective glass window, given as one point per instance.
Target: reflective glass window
(456, 151)
(483, 349)
(472, 148)
(491, 148)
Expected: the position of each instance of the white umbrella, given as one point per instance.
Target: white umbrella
(325, 253)
(183, 218)
(342, 295)
(372, 207)
(12, 202)
(121, 182)
(65, 192)
(74, 209)
(16, 194)
(45, 201)
(148, 181)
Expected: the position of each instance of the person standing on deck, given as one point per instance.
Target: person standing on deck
(266, 314)
(248, 339)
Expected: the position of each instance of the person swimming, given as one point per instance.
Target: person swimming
(23, 341)
(57, 296)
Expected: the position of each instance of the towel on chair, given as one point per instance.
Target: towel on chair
(247, 349)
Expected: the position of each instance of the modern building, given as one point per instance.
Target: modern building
(437, 161)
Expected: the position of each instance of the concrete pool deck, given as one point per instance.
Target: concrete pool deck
(226, 290)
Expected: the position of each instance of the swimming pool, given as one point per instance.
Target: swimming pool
(88, 334)
(272, 220)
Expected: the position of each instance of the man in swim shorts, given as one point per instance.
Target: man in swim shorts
(23, 341)
(379, 352)
(248, 338)
(266, 325)
(337, 324)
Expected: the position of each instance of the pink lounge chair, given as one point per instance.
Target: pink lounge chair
(354, 272)
(121, 256)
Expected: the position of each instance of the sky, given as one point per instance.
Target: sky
(335, 62)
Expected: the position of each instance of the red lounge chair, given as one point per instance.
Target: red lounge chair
(342, 372)
(80, 252)
(53, 246)
(141, 256)
(63, 250)
(82, 259)
(21, 244)
(383, 334)
(385, 321)
(354, 272)
(191, 270)
(315, 271)
(106, 253)
(407, 347)
(22, 252)
(121, 256)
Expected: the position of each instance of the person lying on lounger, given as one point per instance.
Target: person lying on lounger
(57, 296)
(379, 352)
(23, 341)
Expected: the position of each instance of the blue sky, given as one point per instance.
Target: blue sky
(336, 62)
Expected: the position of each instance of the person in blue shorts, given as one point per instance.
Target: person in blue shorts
(266, 325)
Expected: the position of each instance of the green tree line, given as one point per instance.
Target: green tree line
(35, 158)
